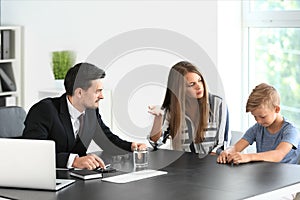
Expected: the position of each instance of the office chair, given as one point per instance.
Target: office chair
(226, 134)
(11, 121)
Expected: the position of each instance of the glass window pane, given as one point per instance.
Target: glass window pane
(274, 58)
(271, 5)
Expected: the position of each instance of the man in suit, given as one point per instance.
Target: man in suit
(73, 120)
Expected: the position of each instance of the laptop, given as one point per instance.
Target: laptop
(27, 163)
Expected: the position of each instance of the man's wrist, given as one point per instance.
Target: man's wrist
(71, 160)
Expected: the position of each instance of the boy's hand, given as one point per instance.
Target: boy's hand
(238, 158)
(222, 158)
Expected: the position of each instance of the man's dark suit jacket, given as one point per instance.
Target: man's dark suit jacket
(50, 119)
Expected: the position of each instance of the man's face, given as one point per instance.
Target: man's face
(93, 94)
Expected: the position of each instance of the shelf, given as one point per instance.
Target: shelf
(7, 60)
(10, 93)
(10, 65)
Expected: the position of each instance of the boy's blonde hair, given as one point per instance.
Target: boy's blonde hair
(263, 95)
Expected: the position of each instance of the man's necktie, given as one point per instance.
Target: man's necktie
(80, 130)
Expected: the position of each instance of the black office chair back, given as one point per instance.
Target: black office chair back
(11, 121)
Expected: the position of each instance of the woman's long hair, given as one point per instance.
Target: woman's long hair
(175, 99)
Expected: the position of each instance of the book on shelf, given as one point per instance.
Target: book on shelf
(85, 174)
(0, 45)
(0, 85)
(8, 101)
(5, 44)
(6, 82)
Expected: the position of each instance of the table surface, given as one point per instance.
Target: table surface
(189, 177)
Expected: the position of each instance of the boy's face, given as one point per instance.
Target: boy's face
(265, 116)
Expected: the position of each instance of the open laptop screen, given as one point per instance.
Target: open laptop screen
(28, 163)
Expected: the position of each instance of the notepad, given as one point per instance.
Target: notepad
(86, 174)
(134, 176)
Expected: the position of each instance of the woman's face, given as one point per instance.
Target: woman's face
(194, 84)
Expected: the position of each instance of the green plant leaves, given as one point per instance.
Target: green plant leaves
(62, 61)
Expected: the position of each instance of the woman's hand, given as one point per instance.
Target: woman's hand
(155, 110)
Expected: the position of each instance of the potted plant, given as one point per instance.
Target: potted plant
(62, 61)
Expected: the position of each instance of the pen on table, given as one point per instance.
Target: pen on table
(106, 167)
(64, 169)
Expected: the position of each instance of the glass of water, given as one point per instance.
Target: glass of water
(140, 158)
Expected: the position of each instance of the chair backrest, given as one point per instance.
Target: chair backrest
(12, 121)
(226, 134)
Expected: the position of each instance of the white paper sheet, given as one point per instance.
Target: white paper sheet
(134, 176)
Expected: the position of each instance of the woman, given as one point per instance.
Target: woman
(190, 116)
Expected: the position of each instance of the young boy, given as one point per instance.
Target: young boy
(277, 140)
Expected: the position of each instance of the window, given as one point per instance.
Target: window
(271, 5)
(272, 41)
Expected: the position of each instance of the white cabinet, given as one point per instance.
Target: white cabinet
(11, 88)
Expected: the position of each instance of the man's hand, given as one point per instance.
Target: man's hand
(138, 146)
(90, 161)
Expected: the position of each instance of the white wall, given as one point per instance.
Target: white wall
(230, 58)
(122, 36)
